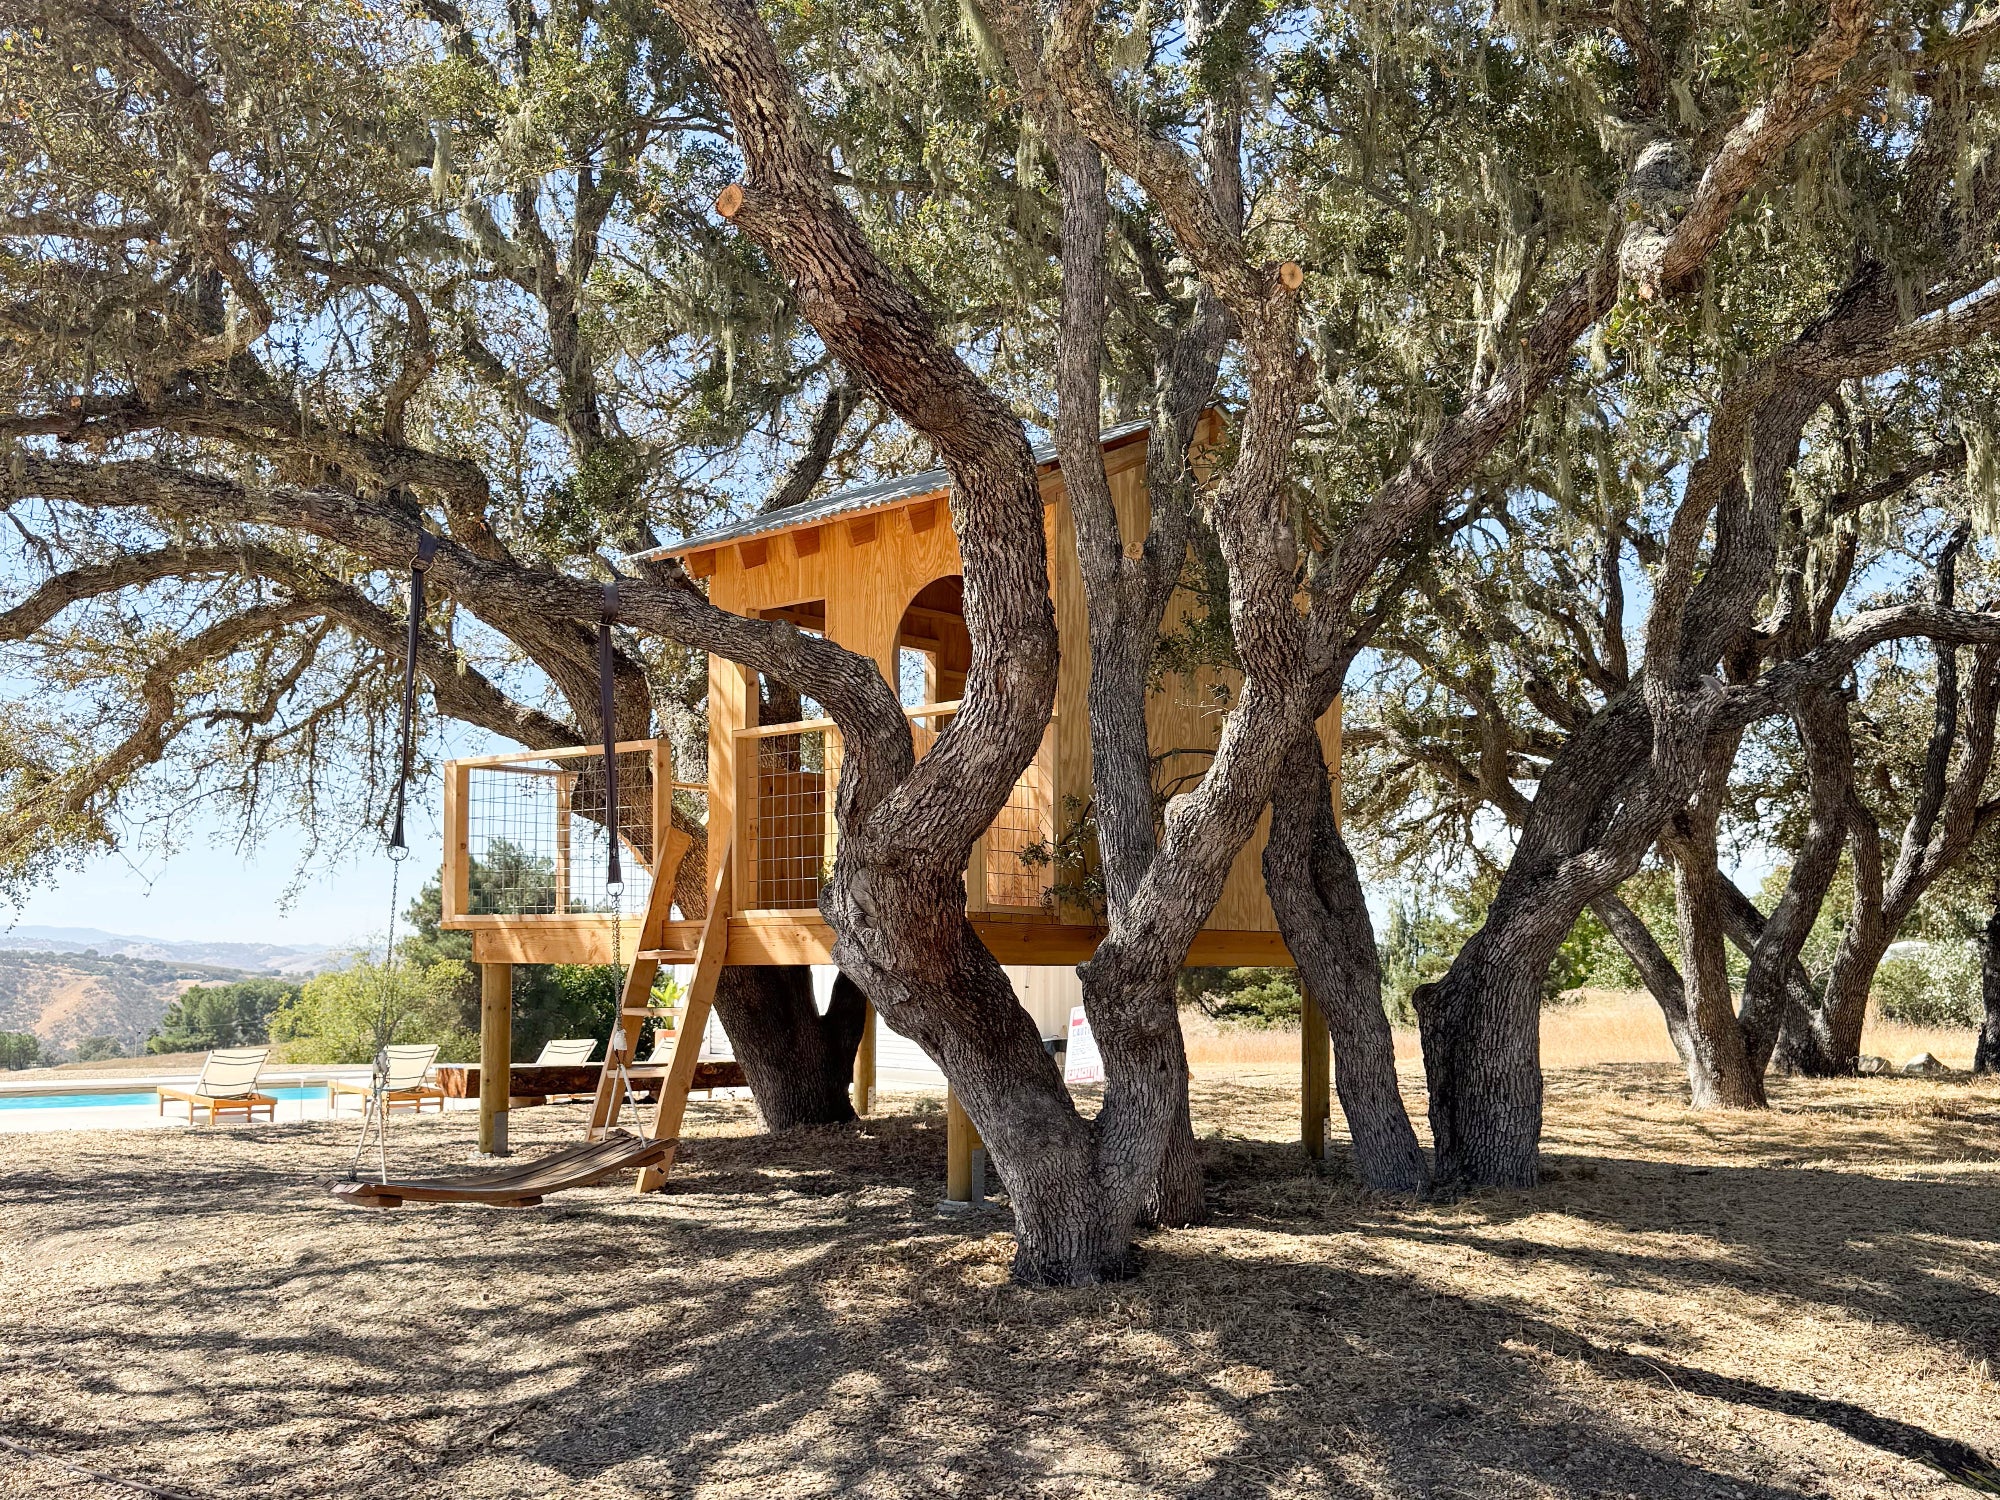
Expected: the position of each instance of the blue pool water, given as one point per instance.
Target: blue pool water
(139, 1096)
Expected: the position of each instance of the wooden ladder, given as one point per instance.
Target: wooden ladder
(676, 1079)
(635, 997)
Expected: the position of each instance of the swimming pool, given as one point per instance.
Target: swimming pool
(140, 1096)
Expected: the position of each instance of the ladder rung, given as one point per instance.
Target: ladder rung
(669, 955)
(657, 1011)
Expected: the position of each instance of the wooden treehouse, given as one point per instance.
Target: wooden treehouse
(727, 870)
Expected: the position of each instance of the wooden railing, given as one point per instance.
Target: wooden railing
(525, 837)
(787, 776)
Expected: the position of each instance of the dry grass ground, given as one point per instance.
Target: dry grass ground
(1805, 1303)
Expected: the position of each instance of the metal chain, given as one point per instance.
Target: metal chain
(377, 1109)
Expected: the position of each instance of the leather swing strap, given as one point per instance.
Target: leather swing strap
(607, 708)
(426, 550)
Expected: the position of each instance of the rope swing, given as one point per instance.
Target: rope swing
(615, 1058)
(376, 1115)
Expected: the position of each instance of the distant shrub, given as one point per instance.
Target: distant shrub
(221, 1015)
(1938, 986)
(1244, 997)
(333, 1019)
(19, 1049)
(97, 1048)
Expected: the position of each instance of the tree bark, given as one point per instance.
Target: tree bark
(798, 1062)
(1316, 893)
(1986, 1057)
(1718, 1065)
(1656, 971)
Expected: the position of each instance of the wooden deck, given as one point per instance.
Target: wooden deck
(802, 937)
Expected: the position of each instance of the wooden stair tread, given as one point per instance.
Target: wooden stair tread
(669, 955)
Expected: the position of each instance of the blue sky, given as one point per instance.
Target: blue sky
(211, 892)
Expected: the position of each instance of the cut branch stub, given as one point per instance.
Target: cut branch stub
(729, 200)
(1292, 275)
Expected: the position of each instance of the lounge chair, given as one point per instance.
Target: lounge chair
(573, 1051)
(228, 1085)
(408, 1068)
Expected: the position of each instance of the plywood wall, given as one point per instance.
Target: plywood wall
(868, 568)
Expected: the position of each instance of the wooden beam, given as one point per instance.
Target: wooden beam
(802, 937)
(961, 1139)
(1315, 1080)
(456, 884)
(574, 939)
(691, 1023)
(864, 1064)
(496, 1048)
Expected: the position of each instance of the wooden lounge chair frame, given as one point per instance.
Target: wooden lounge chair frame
(245, 1102)
(520, 1184)
(414, 1094)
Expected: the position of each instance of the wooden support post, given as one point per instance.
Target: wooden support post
(864, 1065)
(496, 1054)
(962, 1151)
(565, 786)
(692, 1022)
(1315, 1080)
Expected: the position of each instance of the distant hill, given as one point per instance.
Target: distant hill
(65, 997)
(260, 958)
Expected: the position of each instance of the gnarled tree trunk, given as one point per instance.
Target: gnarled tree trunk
(797, 1062)
(1986, 1057)
(1718, 1065)
(1316, 893)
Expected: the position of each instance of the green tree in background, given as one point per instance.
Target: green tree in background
(1244, 997)
(19, 1049)
(98, 1048)
(333, 1018)
(550, 1000)
(220, 1015)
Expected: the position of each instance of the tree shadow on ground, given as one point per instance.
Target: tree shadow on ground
(792, 1318)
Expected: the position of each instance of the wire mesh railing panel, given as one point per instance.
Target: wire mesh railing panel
(792, 804)
(538, 840)
(1026, 822)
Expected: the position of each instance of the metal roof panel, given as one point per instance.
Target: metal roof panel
(883, 492)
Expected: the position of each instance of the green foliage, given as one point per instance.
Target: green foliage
(1650, 894)
(1936, 986)
(1423, 939)
(1417, 949)
(98, 1048)
(557, 1000)
(1077, 889)
(224, 1015)
(550, 1000)
(507, 879)
(19, 1049)
(335, 1017)
(1576, 961)
(1244, 997)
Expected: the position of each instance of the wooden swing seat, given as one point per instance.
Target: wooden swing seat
(520, 1185)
